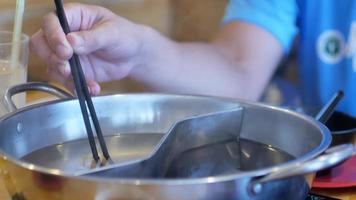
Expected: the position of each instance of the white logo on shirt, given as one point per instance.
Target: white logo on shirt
(331, 47)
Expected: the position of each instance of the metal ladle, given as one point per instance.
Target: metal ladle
(325, 113)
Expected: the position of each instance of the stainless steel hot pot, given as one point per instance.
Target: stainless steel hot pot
(35, 127)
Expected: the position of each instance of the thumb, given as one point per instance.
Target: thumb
(86, 42)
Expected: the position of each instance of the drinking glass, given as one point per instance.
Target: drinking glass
(11, 74)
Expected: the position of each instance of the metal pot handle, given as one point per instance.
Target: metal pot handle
(331, 157)
(44, 87)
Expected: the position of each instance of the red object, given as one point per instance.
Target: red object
(341, 176)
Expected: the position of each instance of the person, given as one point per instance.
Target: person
(238, 63)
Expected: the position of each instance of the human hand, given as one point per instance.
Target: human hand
(108, 46)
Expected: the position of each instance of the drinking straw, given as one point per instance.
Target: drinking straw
(17, 30)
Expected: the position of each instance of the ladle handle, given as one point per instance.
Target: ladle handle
(32, 86)
(331, 157)
(326, 112)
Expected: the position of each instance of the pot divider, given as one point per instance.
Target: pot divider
(188, 134)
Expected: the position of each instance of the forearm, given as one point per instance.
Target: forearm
(193, 68)
(201, 68)
(238, 63)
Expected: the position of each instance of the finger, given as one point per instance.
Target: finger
(66, 81)
(94, 87)
(86, 42)
(64, 69)
(79, 16)
(62, 66)
(55, 36)
(39, 46)
(84, 17)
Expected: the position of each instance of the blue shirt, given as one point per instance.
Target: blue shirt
(327, 46)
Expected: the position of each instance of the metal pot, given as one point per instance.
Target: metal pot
(341, 125)
(35, 127)
(343, 128)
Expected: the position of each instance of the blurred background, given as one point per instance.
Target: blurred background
(183, 20)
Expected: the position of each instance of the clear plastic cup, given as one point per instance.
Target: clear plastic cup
(12, 74)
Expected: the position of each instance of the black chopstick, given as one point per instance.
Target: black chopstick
(83, 93)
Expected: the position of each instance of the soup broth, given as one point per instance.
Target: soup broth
(226, 157)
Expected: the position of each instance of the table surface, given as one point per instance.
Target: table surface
(345, 193)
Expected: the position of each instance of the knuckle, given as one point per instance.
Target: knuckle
(88, 40)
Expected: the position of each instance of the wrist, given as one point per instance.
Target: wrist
(151, 46)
